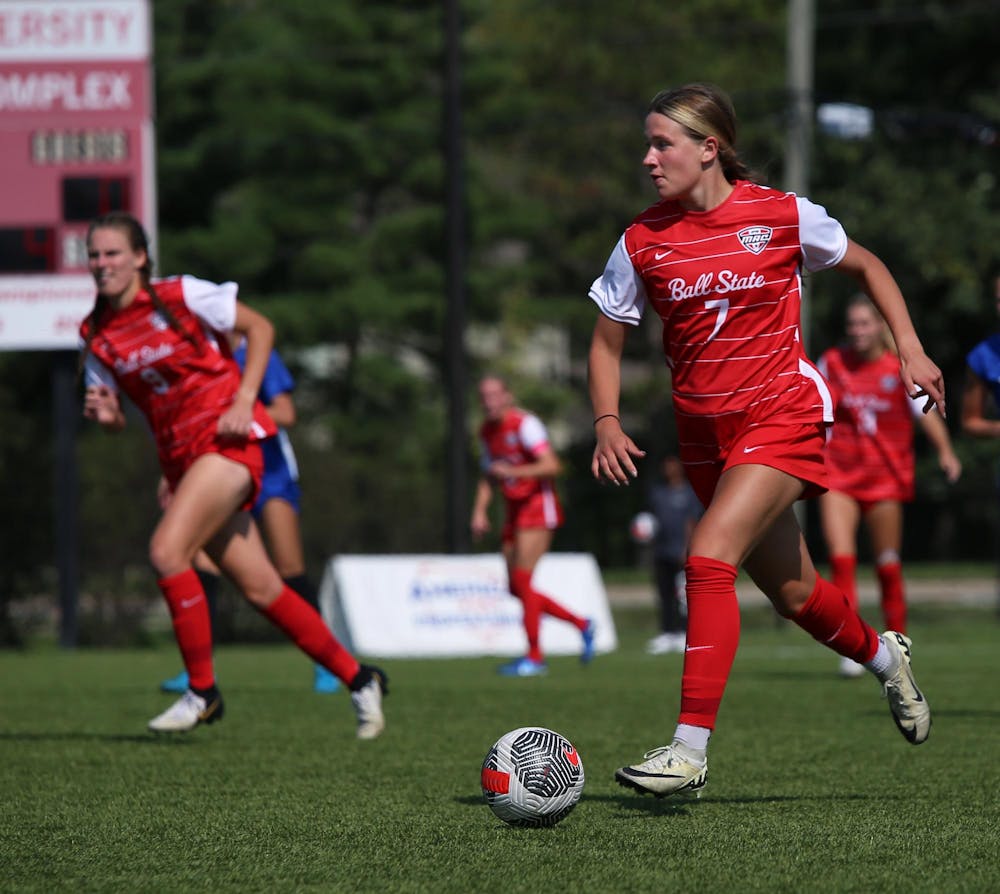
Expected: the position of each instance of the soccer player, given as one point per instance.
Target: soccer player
(982, 382)
(676, 510)
(518, 459)
(719, 259)
(276, 509)
(870, 460)
(163, 344)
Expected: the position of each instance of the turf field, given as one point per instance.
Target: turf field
(811, 788)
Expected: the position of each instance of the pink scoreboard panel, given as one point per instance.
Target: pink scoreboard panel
(76, 141)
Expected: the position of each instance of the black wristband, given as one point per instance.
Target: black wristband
(607, 416)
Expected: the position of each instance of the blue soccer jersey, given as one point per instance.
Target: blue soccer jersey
(281, 472)
(984, 361)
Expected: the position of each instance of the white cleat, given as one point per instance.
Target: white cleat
(367, 701)
(907, 703)
(187, 712)
(850, 668)
(664, 771)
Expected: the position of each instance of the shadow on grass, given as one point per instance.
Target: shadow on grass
(650, 805)
(131, 739)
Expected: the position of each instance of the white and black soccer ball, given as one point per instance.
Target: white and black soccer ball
(643, 527)
(532, 776)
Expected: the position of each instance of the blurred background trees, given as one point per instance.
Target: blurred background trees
(300, 153)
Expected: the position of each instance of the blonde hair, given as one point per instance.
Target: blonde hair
(703, 110)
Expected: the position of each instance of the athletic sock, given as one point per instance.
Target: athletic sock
(520, 586)
(550, 607)
(192, 628)
(843, 570)
(210, 584)
(302, 624)
(890, 578)
(828, 618)
(713, 634)
(881, 663)
(693, 742)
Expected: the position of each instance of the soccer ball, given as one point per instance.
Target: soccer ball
(532, 776)
(643, 527)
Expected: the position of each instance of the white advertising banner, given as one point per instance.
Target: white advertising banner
(450, 606)
(43, 313)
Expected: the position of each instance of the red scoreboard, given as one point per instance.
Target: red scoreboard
(76, 141)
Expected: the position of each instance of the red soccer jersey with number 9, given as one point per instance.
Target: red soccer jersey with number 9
(181, 385)
(870, 448)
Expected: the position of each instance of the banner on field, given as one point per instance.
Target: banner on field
(451, 606)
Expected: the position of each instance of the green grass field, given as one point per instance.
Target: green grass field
(811, 788)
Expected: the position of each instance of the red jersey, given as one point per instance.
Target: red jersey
(518, 439)
(726, 284)
(182, 385)
(870, 446)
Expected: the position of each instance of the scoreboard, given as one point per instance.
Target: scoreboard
(76, 141)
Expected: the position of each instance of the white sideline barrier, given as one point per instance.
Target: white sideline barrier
(450, 606)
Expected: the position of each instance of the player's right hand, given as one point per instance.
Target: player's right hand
(100, 404)
(614, 455)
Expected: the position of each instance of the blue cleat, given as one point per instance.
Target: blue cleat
(523, 667)
(587, 655)
(324, 681)
(178, 684)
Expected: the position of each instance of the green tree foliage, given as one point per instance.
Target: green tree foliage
(300, 153)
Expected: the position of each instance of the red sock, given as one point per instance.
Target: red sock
(713, 633)
(551, 607)
(304, 626)
(843, 570)
(192, 625)
(890, 578)
(828, 618)
(531, 600)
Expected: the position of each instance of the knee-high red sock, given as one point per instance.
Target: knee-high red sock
(304, 626)
(828, 618)
(713, 633)
(557, 610)
(531, 600)
(192, 625)
(843, 571)
(890, 578)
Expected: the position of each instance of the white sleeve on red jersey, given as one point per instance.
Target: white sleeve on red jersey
(212, 303)
(533, 434)
(822, 239)
(619, 292)
(96, 373)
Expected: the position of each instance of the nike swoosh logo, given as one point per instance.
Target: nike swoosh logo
(660, 255)
(573, 757)
(752, 449)
(697, 648)
(187, 603)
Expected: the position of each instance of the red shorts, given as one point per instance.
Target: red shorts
(246, 453)
(791, 447)
(540, 510)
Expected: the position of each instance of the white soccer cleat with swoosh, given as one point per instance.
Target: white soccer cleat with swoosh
(664, 771)
(907, 703)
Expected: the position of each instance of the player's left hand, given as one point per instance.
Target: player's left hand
(235, 423)
(922, 378)
(501, 469)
